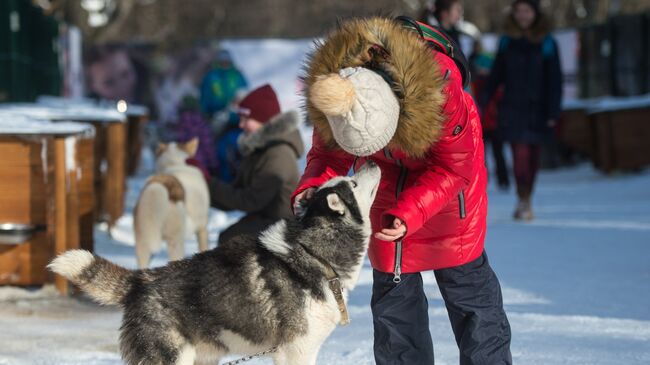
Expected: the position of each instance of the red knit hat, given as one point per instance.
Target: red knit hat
(260, 104)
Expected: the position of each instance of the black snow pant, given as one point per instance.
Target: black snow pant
(473, 299)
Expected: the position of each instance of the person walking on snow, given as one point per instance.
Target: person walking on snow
(527, 66)
(377, 90)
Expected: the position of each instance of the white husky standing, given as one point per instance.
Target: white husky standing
(173, 203)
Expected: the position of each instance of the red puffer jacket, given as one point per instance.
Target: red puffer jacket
(443, 200)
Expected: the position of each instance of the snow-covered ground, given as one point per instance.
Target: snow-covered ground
(576, 281)
(576, 285)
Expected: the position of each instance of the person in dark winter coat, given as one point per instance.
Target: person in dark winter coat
(376, 91)
(527, 65)
(270, 146)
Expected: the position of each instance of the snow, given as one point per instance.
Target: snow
(608, 103)
(62, 102)
(16, 123)
(575, 281)
(621, 103)
(575, 284)
(71, 154)
(44, 158)
(76, 112)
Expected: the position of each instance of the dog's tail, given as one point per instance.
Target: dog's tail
(104, 281)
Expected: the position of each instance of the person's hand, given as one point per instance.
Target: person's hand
(396, 231)
(304, 195)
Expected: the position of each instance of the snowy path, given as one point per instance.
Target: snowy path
(576, 285)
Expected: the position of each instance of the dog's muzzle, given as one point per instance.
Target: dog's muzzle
(368, 175)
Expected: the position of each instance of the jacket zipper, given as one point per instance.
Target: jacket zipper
(401, 180)
(461, 204)
(397, 272)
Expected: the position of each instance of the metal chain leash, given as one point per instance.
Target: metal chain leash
(251, 357)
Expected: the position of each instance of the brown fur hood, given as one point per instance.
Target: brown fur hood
(536, 34)
(417, 81)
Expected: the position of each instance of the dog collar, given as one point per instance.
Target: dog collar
(337, 290)
(334, 284)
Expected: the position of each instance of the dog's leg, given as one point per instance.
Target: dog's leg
(303, 350)
(176, 233)
(299, 353)
(211, 362)
(186, 355)
(202, 237)
(214, 361)
(147, 337)
(207, 354)
(143, 254)
(175, 247)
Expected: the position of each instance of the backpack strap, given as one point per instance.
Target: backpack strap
(548, 47)
(437, 39)
(504, 42)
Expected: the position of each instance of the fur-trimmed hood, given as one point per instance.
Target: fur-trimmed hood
(283, 128)
(536, 34)
(416, 78)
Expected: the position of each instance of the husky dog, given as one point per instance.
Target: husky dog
(272, 292)
(174, 202)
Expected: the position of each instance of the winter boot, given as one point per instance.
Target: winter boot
(523, 211)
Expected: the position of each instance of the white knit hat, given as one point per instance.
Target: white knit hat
(360, 107)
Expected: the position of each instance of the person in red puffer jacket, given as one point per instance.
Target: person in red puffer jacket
(431, 207)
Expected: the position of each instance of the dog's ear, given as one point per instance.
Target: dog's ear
(191, 146)
(335, 203)
(300, 211)
(162, 147)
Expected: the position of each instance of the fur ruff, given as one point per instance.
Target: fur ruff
(408, 61)
(276, 129)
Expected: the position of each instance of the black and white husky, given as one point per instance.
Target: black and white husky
(253, 294)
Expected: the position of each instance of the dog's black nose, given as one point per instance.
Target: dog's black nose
(371, 163)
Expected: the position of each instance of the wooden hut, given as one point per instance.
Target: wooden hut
(45, 195)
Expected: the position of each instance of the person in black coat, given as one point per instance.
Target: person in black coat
(527, 66)
(445, 14)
